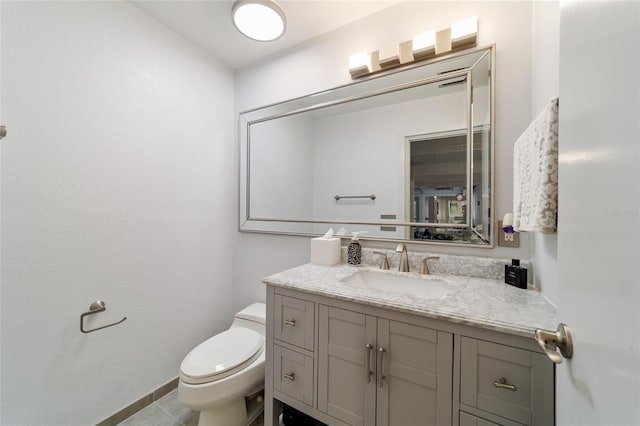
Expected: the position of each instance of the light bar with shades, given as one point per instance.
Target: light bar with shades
(359, 64)
(424, 45)
(389, 55)
(464, 32)
(459, 35)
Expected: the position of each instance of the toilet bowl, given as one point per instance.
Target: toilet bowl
(218, 375)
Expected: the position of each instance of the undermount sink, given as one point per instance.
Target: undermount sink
(421, 286)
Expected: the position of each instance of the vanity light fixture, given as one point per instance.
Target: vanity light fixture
(464, 32)
(389, 55)
(260, 20)
(459, 35)
(424, 45)
(359, 64)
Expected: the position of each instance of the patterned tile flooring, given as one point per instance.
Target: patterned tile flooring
(168, 411)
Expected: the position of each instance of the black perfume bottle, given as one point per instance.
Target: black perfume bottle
(515, 275)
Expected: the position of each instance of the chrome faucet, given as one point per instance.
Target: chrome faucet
(404, 258)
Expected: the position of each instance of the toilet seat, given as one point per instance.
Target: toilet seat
(221, 356)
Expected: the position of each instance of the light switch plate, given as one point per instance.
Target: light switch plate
(507, 240)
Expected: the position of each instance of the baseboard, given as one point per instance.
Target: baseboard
(138, 405)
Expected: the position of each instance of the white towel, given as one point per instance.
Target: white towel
(535, 174)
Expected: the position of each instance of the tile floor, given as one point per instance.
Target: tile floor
(168, 411)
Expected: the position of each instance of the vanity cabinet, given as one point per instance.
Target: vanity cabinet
(349, 363)
(376, 371)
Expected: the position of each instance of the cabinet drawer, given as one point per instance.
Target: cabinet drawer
(467, 419)
(293, 321)
(293, 374)
(513, 383)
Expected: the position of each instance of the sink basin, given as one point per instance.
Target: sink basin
(421, 286)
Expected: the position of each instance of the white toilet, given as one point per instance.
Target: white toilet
(217, 375)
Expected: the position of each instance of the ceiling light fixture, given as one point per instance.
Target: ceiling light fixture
(261, 20)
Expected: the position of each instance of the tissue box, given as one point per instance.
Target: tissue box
(325, 251)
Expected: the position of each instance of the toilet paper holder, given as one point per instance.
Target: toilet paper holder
(96, 307)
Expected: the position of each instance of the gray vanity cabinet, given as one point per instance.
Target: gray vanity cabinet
(348, 363)
(373, 370)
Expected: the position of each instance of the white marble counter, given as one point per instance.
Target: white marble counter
(478, 302)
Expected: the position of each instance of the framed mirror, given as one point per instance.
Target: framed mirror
(406, 156)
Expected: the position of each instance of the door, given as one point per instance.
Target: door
(599, 242)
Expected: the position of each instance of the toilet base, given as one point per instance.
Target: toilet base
(232, 414)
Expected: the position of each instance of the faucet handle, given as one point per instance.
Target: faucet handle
(385, 261)
(424, 269)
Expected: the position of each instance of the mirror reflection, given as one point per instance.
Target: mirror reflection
(391, 155)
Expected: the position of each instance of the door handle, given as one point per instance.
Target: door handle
(291, 322)
(561, 339)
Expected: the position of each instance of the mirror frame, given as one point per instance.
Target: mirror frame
(244, 141)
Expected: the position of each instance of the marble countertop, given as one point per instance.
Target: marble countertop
(479, 302)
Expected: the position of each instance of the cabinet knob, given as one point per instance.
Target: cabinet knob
(290, 376)
(291, 322)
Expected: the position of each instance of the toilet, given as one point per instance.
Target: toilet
(223, 377)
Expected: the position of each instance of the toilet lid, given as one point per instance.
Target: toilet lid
(224, 353)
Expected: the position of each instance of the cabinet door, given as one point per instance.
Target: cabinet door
(346, 390)
(417, 368)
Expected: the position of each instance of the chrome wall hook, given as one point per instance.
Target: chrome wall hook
(96, 307)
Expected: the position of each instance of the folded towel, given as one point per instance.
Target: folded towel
(535, 174)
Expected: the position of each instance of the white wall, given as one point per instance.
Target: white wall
(544, 87)
(322, 63)
(116, 185)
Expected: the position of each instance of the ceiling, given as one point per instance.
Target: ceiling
(207, 23)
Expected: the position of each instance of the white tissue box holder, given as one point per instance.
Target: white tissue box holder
(325, 251)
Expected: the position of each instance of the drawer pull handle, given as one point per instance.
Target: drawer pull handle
(290, 376)
(291, 322)
(380, 372)
(367, 365)
(502, 384)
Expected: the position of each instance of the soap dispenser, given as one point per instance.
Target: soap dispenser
(354, 252)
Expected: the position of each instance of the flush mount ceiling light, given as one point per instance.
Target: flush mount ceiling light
(260, 20)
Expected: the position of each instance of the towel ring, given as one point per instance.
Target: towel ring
(96, 307)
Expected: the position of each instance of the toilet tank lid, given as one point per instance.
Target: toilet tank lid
(256, 312)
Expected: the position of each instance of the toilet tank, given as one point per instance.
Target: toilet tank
(252, 317)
